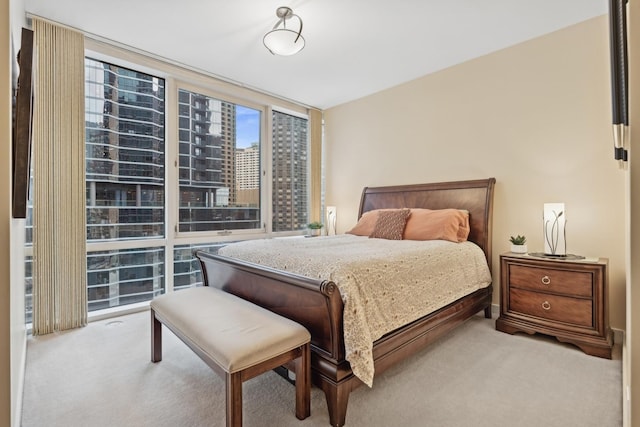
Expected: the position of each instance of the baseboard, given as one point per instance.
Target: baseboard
(495, 310)
(626, 383)
(618, 336)
(17, 420)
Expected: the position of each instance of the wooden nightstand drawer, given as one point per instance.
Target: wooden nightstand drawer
(551, 280)
(574, 311)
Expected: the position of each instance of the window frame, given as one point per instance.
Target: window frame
(265, 145)
(178, 76)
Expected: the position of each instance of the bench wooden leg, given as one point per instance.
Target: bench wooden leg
(303, 383)
(234, 399)
(156, 338)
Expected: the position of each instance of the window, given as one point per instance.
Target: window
(164, 180)
(125, 178)
(125, 151)
(219, 158)
(124, 276)
(186, 268)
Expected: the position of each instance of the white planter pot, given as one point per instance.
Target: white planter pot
(315, 232)
(519, 249)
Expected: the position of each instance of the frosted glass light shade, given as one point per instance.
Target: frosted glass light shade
(283, 42)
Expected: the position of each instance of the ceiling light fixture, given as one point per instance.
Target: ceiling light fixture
(283, 41)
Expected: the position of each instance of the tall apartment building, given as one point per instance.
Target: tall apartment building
(248, 175)
(206, 129)
(290, 178)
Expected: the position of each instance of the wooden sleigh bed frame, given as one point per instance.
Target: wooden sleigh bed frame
(317, 304)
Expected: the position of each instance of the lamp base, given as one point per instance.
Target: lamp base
(566, 256)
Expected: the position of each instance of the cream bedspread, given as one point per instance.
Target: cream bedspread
(384, 284)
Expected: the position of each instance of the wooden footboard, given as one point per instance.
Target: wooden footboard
(316, 304)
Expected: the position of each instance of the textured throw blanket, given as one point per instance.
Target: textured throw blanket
(384, 284)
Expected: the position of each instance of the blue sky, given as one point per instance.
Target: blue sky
(247, 126)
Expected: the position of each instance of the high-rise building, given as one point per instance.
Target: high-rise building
(125, 153)
(248, 175)
(290, 165)
(205, 138)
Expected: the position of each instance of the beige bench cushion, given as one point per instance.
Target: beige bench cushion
(235, 333)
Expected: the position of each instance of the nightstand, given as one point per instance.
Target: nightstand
(557, 297)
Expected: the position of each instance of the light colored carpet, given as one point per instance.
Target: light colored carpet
(101, 375)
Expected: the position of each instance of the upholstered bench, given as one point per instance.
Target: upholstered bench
(236, 338)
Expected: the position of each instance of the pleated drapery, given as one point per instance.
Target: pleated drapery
(59, 224)
(315, 117)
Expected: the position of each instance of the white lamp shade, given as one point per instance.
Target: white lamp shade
(283, 42)
(331, 220)
(554, 217)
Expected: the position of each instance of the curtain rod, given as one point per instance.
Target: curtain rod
(156, 57)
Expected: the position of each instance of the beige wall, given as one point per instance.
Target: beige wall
(5, 218)
(536, 116)
(12, 325)
(632, 356)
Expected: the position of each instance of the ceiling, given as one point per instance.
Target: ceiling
(354, 47)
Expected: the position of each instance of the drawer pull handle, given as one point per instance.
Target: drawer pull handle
(545, 280)
(546, 305)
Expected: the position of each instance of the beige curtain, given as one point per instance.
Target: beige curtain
(59, 225)
(315, 116)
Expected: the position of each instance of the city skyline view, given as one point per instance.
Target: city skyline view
(130, 245)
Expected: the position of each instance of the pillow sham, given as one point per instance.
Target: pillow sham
(390, 224)
(437, 224)
(366, 223)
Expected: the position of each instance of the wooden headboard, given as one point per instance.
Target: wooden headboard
(476, 196)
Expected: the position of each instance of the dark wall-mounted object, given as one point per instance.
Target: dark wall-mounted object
(619, 76)
(22, 126)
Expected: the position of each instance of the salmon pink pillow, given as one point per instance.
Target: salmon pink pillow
(366, 223)
(437, 224)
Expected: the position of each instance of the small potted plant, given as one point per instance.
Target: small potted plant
(518, 244)
(314, 228)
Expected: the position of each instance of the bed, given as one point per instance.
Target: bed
(317, 303)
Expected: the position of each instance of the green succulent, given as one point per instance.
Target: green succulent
(518, 240)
